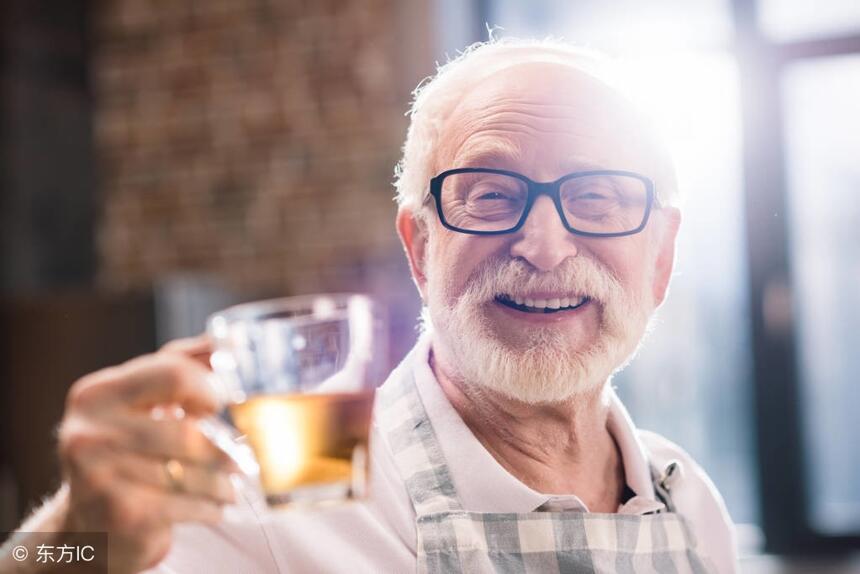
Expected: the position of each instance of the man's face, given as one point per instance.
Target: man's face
(544, 121)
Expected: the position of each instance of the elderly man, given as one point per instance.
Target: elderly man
(536, 212)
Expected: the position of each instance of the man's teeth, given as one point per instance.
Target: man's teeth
(556, 303)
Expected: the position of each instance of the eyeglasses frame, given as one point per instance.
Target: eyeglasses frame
(552, 189)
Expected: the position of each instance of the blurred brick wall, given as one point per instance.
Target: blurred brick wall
(254, 139)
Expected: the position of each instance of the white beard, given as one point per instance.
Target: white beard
(536, 365)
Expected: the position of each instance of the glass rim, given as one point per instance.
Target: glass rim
(289, 307)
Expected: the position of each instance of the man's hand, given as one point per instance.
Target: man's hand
(133, 457)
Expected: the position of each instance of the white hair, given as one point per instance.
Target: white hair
(436, 97)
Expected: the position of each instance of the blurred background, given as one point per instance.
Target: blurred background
(164, 158)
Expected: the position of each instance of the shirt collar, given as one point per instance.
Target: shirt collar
(497, 490)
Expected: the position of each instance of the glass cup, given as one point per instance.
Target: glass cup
(298, 376)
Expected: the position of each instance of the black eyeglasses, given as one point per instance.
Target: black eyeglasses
(600, 203)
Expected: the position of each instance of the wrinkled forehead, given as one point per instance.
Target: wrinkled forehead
(547, 83)
(531, 110)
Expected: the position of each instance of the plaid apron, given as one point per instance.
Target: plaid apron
(451, 539)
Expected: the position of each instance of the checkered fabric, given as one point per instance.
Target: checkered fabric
(451, 539)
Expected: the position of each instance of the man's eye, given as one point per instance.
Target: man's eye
(494, 195)
(593, 195)
(489, 192)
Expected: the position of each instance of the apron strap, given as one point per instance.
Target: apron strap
(419, 459)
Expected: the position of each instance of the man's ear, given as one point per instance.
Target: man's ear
(413, 234)
(671, 217)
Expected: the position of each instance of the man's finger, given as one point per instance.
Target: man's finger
(152, 506)
(145, 382)
(166, 378)
(192, 480)
(198, 348)
(132, 507)
(183, 508)
(169, 438)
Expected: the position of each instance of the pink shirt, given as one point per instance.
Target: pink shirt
(378, 535)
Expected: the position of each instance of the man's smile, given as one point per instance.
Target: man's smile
(535, 305)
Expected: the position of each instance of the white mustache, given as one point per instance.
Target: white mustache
(578, 275)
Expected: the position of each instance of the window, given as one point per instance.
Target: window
(822, 141)
(785, 20)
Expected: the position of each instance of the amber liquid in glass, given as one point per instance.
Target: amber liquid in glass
(311, 447)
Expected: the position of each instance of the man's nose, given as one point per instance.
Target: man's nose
(543, 240)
